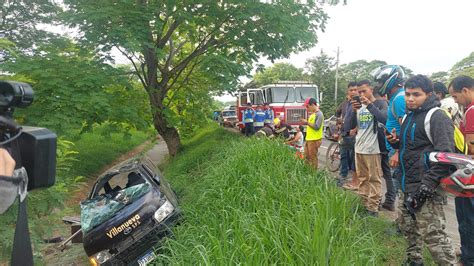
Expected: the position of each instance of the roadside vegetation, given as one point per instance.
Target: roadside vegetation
(249, 201)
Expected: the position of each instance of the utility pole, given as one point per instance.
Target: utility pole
(337, 72)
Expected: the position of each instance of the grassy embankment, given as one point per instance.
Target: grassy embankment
(249, 201)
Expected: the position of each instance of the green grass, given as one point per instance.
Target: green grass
(96, 151)
(249, 201)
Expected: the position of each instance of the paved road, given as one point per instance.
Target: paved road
(451, 225)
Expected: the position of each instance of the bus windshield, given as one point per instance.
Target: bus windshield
(283, 95)
(302, 93)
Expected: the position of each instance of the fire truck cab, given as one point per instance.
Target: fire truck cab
(285, 98)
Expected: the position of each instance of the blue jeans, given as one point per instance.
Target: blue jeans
(249, 130)
(347, 158)
(465, 215)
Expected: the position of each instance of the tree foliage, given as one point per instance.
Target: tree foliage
(464, 67)
(322, 72)
(74, 90)
(20, 21)
(278, 72)
(360, 69)
(441, 76)
(167, 40)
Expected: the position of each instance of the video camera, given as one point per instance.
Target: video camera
(33, 148)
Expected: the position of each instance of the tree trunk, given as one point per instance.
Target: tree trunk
(169, 134)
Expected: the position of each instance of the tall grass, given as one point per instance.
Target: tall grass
(249, 201)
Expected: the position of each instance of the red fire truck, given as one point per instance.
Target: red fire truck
(286, 99)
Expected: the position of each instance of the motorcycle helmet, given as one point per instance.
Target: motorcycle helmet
(461, 182)
(387, 77)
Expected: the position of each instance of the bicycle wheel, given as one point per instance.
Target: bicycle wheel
(333, 157)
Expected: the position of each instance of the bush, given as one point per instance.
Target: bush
(252, 202)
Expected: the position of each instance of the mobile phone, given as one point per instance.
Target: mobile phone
(356, 98)
(385, 130)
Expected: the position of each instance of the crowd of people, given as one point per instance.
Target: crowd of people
(388, 126)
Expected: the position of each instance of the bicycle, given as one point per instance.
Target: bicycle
(333, 154)
(333, 157)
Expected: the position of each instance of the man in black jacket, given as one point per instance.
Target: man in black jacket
(421, 204)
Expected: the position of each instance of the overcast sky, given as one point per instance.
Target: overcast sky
(425, 35)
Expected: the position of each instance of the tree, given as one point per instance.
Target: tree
(278, 72)
(74, 90)
(166, 40)
(322, 73)
(441, 76)
(464, 67)
(359, 70)
(19, 21)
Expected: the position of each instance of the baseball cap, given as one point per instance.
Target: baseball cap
(310, 101)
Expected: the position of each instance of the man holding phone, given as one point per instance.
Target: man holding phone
(368, 148)
(348, 140)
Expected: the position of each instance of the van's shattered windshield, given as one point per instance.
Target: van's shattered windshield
(112, 193)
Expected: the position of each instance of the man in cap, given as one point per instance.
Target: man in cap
(314, 131)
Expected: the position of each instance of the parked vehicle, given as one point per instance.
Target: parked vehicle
(129, 210)
(228, 118)
(285, 98)
(230, 107)
(330, 128)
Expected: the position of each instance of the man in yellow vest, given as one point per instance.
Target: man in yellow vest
(314, 131)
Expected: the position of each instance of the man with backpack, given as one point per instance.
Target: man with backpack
(462, 91)
(422, 214)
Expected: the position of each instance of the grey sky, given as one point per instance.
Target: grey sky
(425, 35)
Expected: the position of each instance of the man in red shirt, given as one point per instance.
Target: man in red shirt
(462, 90)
